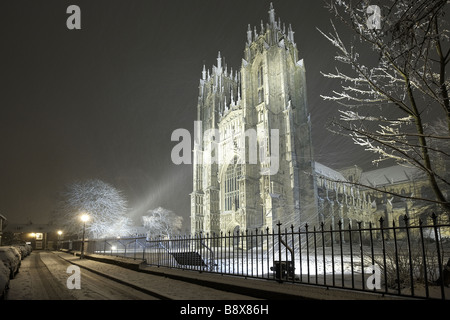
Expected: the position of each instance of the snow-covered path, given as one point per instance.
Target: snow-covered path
(43, 276)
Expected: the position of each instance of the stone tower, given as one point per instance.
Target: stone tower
(253, 157)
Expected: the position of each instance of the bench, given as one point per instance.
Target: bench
(189, 259)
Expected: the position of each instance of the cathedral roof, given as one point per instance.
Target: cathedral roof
(374, 178)
(390, 175)
(328, 172)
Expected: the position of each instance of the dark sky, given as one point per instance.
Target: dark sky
(102, 102)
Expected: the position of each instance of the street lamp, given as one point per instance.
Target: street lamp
(84, 218)
(59, 239)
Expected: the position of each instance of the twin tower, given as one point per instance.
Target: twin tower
(261, 107)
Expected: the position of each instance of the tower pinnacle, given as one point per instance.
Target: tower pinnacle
(219, 61)
(272, 14)
(291, 34)
(204, 73)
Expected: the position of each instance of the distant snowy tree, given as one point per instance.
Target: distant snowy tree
(106, 206)
(162, 222)
(395, 84)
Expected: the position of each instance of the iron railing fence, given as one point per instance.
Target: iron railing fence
(408, 260)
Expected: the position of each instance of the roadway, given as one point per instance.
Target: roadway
(44, 274)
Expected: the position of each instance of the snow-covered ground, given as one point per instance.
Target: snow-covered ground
(26, 286)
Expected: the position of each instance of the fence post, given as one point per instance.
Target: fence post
(293, 252)
(384, 254)
(371, 243)
(399, 289)
(424, 259)
(251, 251)
(238, 235)
(246, 252)
(411, 276)
(230, 252)
(279, 252)
(315, 254)
(268, 252)
(362, 253)
(322, 226)
(332, 255)
(436, 235)
(307, 250)
(300, 253)
(233, 248)
(351, 254)
(256, 247)
(372, 247)
(342, 253)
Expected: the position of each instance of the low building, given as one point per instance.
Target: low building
(40, 236)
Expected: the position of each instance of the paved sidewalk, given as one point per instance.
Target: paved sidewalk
(135, 273)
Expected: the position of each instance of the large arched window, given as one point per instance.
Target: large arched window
(232, 177)
(260, 77)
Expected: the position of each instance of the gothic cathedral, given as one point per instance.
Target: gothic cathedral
(245, 117)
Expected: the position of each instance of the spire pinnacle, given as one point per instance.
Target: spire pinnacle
(219, 61)
(291, 34)
(272, 14)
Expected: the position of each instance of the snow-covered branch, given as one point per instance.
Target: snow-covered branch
(105, 205)
(390, 100)
(162, 222)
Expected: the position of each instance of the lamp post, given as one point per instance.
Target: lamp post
(59, 239)
(84, 218)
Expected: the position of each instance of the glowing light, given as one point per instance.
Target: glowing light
(84, 217)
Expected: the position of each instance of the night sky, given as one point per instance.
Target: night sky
(102, 102)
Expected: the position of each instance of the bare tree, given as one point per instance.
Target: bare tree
(395, 98)
(162, 222)
(105, 205)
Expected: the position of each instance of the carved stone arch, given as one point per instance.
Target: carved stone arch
(233, 158)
